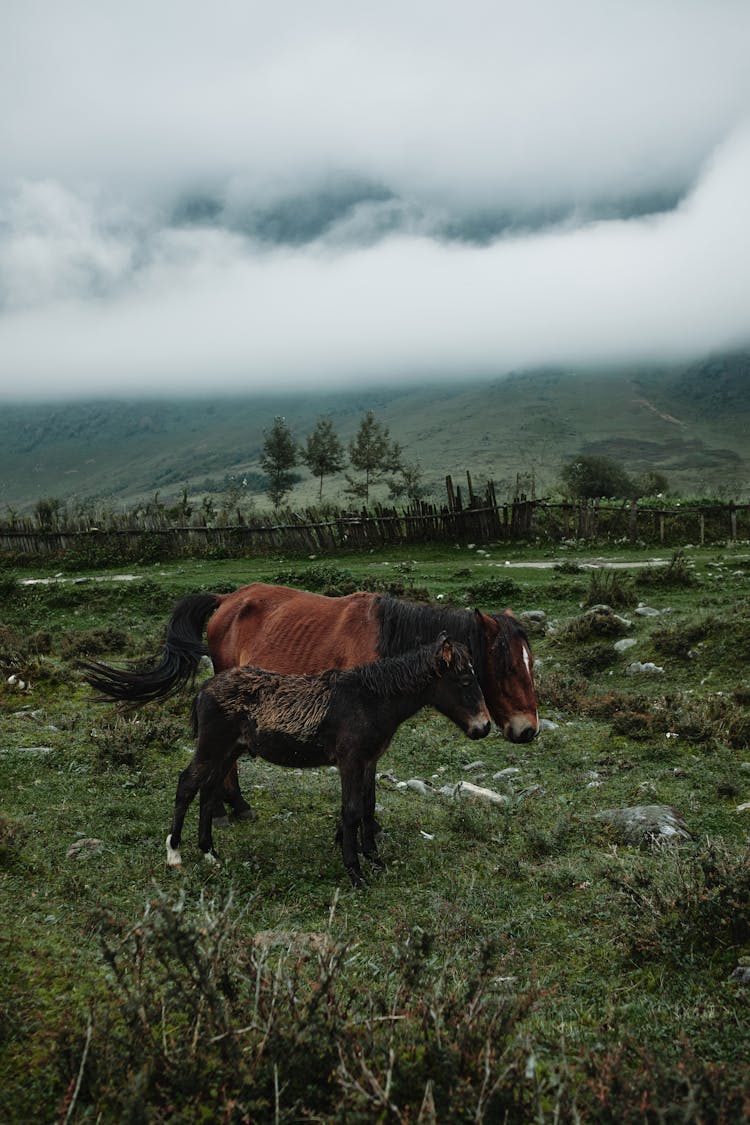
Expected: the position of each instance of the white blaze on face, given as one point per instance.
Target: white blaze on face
(527, 665)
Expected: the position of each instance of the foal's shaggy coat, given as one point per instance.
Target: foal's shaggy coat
(337, 718)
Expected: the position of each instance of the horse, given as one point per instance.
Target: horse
(341, 718)
(295, 632)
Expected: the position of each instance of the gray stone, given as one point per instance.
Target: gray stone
(648, 668)
(624, 644)
(475, 793)
(87, 846)
(642, 823)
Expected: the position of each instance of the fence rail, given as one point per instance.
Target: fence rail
(465, 517)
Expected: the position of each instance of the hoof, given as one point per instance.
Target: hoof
(211, 859)
(245, 814)
(221, 821)
(174, 859)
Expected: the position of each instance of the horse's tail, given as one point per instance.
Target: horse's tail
(178, 662)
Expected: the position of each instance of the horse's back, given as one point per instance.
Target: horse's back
(292, 631)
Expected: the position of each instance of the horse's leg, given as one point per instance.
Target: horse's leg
(370, 826)
(232, 794)
(187, 787)
(351, 769)
(209, 790)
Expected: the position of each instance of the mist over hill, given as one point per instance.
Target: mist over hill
(690, 422)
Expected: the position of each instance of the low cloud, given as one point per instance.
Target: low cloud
(436, 191)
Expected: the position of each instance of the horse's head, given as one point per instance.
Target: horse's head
(508, 676)
(457, 693)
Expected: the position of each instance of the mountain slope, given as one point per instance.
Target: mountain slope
(690, 422)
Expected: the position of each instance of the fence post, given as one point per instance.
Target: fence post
(633, 521)
(732, 521)
(451, 495)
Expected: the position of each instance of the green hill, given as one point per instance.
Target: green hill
(689, 422)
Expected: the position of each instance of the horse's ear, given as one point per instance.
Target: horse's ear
(446, 649)
(487, 624)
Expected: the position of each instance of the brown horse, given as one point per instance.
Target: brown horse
(346, 719)
(296, 632)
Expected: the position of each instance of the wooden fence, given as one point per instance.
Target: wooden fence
(466, 517)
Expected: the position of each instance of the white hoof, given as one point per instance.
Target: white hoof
(211, 859)
(174, 859)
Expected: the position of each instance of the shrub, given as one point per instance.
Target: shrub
(610, 587)
(675, 575)
(207, 1025)
(322, 579)
(125, 741)
(691, 901)
(493, 591)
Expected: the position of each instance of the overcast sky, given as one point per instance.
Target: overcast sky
(239, 195)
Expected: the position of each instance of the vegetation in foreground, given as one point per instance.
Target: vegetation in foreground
(514, 962)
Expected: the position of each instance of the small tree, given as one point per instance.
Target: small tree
(278, 458)
(373, 454)
(590, 477)
(408, 483)
(48, 512)
(652, 483)
(322, 452)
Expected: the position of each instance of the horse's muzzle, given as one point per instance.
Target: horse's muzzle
(520, 730)
(480, 730)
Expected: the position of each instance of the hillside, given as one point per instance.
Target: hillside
(690, 422)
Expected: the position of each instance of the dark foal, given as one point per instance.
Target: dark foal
(346, 719)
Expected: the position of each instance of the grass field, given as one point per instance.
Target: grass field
(515, 962)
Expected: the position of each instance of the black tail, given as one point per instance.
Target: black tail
(177, 666)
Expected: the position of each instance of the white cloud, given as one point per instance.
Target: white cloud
(474, 116)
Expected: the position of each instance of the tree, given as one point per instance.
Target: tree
(278, 458)
(589, 477)
(373, 454)
(408, 483)
(322, 452)
(652, 483)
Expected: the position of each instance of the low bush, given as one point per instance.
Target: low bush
(677, 574)
(611, 587)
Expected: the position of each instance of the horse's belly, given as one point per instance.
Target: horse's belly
(284, 750)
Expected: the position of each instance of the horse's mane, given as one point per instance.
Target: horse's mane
(406, 624)
(405, 674)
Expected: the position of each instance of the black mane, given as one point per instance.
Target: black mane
(404, 625)
(405, 674)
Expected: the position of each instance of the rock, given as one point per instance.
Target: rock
(745, 807)
(637, 667)
(506, 774)
(643, 823)
(624, 644)
(474, 792)
(416, 784)
(87, 846)
(294, 940)
(647, 611)
(537, 615)
(741, 974)
(32, 751)
(478, 765)
(547, 724)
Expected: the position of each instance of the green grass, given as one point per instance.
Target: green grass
(514, 963)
